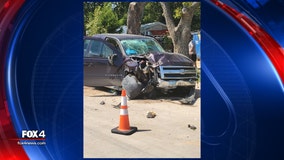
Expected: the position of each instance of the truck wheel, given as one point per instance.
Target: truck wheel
(132, 86)
(153, 94)
(190, 96)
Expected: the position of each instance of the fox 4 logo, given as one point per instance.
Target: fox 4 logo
(33, 134)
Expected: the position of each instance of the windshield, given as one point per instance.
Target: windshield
(140, 46)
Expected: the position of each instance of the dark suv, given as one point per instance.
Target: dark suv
(136, 63)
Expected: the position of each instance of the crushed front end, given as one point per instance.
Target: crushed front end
(163, 71)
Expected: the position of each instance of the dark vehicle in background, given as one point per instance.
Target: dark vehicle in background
(136, 63)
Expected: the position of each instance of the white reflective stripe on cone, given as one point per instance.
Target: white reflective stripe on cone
(123, 112)
(123, 101)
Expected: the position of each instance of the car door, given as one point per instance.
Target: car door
(115, 72)
(97, 69)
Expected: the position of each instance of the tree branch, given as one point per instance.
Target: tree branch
(195, 5)
(168, 16)
(187, 14)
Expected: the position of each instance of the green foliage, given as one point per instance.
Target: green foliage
(196, 20)
(102, 20)
(89, 8)
(166, 43)
(153, 13)
(121, 9)
(177, 7)
(106, 17)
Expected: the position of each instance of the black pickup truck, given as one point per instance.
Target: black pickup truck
(136, 63)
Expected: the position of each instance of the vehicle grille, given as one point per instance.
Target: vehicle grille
(177, 72)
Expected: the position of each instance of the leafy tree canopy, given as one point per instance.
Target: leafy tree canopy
(103, 19)
(106, 17)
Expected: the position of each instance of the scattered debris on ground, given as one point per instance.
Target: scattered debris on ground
(102, 103)
(116, 106)
(151, 114)
(165, 127)
(191, 127)
(188, 100)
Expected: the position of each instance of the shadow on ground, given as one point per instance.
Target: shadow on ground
(184, 98)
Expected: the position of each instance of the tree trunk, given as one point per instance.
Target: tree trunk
(135, 13)
(180, 34)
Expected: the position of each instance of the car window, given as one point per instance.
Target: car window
(106, 51)
(113, 42)
(140, 46)
(86, 44)
(98, 48)
(95, 48)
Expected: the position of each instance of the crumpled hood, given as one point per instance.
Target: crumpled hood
(165, 59)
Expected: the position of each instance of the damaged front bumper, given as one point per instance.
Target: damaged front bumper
(173, 84)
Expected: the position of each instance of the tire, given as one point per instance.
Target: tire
(132, 86)
(153, 94)
(190, 96)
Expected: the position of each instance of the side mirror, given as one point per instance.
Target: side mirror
(111, 58)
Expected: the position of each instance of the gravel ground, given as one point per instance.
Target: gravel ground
(173, 133)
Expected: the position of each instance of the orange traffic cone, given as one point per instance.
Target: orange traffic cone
(124, 127)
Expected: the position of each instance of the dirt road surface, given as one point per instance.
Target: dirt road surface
(173, 133)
